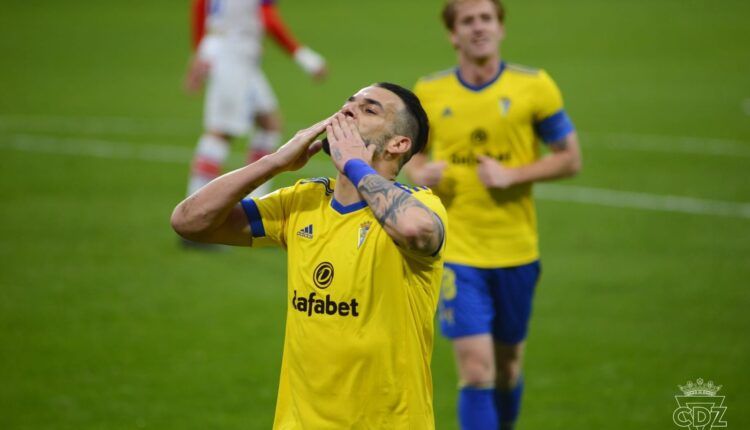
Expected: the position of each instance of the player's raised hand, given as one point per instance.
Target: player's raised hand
(346, 142)
(295, 153)
(311, 62)
(430, 173)
(493, 174)
(196, 74)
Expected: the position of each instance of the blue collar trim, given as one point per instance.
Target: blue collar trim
(484, 85)
(343, 210)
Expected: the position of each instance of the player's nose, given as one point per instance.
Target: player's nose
(348, 110)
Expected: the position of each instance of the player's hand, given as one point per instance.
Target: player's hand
(429, 174)
(493, 174)
(311, 62)
(196, 74)
(296, 153)
(346, 142)
(321, 74)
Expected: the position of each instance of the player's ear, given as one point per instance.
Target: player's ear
(454, 40)
(502, 31)
(399, 145)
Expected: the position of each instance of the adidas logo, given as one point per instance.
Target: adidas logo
(306, 232)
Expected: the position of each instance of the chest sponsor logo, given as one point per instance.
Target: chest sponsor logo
(323, 275)
(306, 232)
(470, 157)
(319, 305)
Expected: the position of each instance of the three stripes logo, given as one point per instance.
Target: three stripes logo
(306, 232)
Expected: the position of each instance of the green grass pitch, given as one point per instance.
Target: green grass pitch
(106, 324)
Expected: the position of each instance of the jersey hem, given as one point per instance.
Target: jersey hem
(496, 264)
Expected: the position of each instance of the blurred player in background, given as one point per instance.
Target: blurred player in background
(487, 120)
(227, 38)
(364, 261)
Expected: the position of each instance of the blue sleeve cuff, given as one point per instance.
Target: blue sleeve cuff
(555, 127)
(253, 217)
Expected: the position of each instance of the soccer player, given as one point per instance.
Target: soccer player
(364, 257)
(487, 119)
(227, 41)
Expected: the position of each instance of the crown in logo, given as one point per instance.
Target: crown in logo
(699, 388)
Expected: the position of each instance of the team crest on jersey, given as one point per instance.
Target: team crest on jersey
(447, 112)
(363, 229)
(504, 106)
(306, 232)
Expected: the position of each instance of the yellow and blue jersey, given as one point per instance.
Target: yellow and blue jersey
(359, 327)
(504, 119)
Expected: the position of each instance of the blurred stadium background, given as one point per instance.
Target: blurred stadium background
(106, 323)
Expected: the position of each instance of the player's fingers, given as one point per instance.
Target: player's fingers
(344, 124)
(314, 148)
(318, 127)
(353, 130)
(334, 131)
(331, 135)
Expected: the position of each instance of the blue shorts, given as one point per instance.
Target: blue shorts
(497, 301)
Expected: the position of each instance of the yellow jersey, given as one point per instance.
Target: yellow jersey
(504, 119)
(359, 326)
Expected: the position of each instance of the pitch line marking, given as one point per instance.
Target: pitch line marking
(134, 126)
(552, 192)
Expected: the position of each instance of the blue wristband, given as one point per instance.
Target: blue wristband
(356, 169)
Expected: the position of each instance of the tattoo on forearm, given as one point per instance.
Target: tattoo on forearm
(389, 204)
(336, 154)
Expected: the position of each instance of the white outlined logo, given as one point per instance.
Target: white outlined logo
(699, 408)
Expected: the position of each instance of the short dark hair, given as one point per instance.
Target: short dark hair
(412, 123)
(449, 12)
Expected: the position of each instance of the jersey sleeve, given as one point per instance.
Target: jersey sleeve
(551, 122)
(198, 22)
(275, 26)
(268, 217)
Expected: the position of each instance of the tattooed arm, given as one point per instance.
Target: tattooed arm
(410, 223)
(213, 213)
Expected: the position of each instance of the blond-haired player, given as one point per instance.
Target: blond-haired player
(487, 119)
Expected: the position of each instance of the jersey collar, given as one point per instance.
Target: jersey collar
(343, 210)
(477, 88)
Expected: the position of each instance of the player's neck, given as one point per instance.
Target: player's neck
(346, 194)
(478, 72)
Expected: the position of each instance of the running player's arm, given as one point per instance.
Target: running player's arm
(564, 160)
(198, 66)
(556, 130)
(214, 214)
(309, 60)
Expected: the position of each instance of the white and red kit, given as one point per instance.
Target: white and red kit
(228, 35)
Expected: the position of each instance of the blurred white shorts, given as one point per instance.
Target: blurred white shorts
(237, 90)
